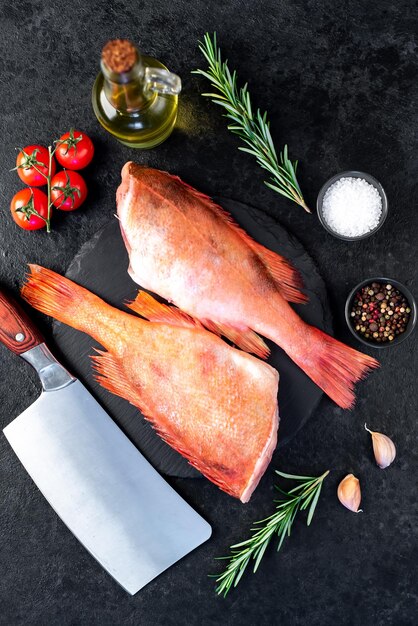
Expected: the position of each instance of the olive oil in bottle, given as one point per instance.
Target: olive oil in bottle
(135, 97)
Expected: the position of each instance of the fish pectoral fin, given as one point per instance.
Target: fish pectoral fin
(246, 339)
(287, 278)
(110, 375)
(154, 311)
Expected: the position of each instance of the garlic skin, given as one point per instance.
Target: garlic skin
(383, 448)
(349, 493)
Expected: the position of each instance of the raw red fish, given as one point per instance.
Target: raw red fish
(188, 250)
(214, 404)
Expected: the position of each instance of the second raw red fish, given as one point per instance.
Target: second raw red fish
(214, 404)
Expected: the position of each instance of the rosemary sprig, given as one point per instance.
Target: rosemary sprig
(304, 495)
(253, 128)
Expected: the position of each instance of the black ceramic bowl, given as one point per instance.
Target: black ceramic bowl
(352, 174)
(408, 295)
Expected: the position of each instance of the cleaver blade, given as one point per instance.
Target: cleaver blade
(116, 504)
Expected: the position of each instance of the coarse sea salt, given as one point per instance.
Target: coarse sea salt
(352, 207)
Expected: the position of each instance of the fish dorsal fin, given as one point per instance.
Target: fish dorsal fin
(154, 311)
(246, 339)
(287, 279)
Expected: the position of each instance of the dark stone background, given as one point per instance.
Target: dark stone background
(340, 81)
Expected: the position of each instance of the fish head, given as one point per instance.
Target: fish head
(127, 208)
(136, 206)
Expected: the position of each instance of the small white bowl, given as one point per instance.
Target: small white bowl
(352, 174)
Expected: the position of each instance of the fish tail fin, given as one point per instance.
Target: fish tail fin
(333, 366)
(55, 295)
(67, 302)
(149, 308)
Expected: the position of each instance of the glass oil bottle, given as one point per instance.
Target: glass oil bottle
(135, 97)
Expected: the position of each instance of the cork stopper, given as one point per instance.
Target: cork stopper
(119, 55)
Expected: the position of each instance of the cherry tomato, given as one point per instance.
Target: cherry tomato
(31, 159)
(29, 208)
(68, 190)
(76, 150)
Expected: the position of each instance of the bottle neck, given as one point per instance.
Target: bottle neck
(125, 90)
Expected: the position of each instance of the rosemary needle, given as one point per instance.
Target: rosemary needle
(304, 495)
(253, 128)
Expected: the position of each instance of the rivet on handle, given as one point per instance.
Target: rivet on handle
(19, 337)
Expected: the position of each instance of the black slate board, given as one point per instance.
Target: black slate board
(101, 266)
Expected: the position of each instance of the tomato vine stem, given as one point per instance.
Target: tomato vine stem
(48, 179)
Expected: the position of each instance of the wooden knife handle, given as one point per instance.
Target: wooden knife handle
(17, 332)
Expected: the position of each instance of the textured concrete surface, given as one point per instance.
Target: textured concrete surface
(340, 81)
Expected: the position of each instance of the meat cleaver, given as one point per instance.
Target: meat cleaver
(115, 503)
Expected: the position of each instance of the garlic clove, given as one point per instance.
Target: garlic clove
(383, 448)
(349, 493)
